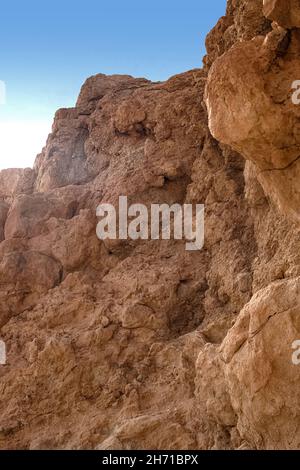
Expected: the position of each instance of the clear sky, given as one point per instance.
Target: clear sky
(48, 48)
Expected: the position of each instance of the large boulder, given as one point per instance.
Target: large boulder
(261, 375)
(285, 12)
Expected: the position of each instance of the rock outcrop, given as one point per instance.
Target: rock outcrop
(254, 79)
(285, 12)
(141, 344)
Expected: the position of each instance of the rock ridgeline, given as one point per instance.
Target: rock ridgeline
(142, 345)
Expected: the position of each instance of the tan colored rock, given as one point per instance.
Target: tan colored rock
(16, 181)
(141, 344)
(212, 392)
(96, 87)
(243, 21)
(285, 12)
(254, 81)
(24, 278)
(135, 341)
(63, 161)
(261, 376)
(29, 213)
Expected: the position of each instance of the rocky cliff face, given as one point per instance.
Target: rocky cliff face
(126, 345)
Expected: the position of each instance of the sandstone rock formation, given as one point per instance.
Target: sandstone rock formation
(142, 344)
(284, 12)
(254, 79)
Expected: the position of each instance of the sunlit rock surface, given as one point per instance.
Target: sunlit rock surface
(144, 345)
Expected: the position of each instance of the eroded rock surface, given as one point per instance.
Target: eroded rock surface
(285, 12)
(142, 345)
(262, 382)
(255, 80)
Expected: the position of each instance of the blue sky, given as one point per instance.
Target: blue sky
(49, 48)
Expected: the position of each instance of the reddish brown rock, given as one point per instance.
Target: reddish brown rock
(259, 366)
(3, 215)
(16, 181)
(28, 214)
(254, 81)
(25, 277)
(143, 345)
(285, 12)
